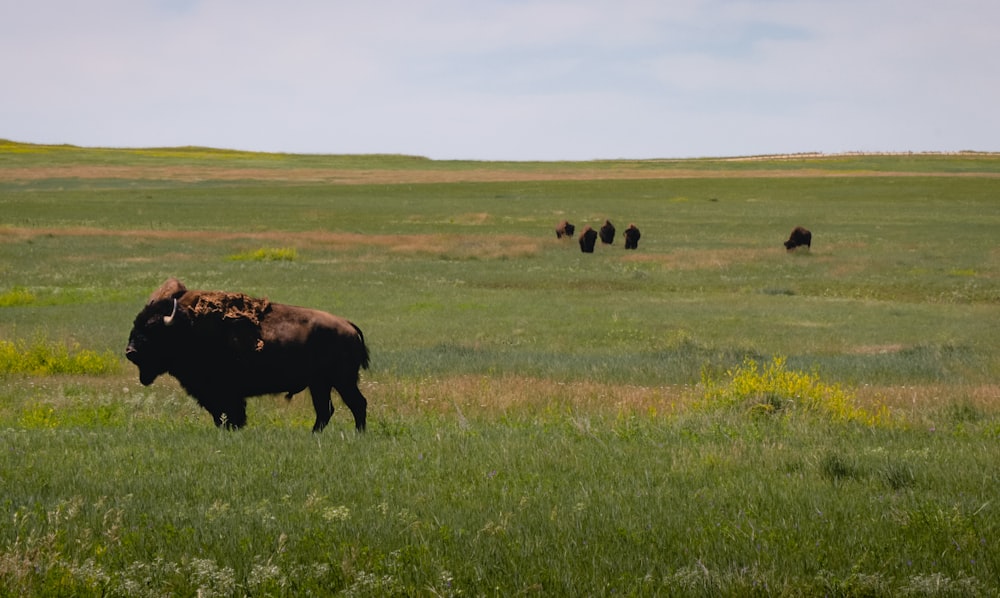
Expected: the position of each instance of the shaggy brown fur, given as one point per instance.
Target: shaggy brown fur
(232, 306)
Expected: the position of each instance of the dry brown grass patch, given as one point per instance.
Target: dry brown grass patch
(473, 219)
(347, 176)
(877, 349)
(922, 398)
(467, 246)
(445, 245)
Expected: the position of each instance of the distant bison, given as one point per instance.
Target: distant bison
(565, 229)
(608, 233)
(632, 235)
(587, 240)
(799, 237)
(224, 347)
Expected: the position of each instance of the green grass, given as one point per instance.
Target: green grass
(708, 415)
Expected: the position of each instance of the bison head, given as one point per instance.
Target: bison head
(149, 343)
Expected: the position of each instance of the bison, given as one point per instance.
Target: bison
(632, 235)
(565, 229)
(225, 347)
(587, 239)
(608, 233)
(799, 237)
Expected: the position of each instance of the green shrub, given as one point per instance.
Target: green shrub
(773, 389)
(267, 254)
(43, 358)
(16, 296)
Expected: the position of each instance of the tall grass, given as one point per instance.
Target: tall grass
(557, 502)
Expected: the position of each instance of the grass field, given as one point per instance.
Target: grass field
(707, 415)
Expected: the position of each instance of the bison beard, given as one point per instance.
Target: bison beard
(225, 347)
(799, 237)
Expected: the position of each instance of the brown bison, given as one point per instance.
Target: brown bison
(224, 347)
(608, 233)
(565, 229)
(632, 235)
(587, 240)
(799, 237)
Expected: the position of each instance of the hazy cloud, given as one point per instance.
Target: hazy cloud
(503, 79)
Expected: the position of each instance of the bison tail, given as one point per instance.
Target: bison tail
(365, 360)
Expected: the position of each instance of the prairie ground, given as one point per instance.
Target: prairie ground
(707, 415)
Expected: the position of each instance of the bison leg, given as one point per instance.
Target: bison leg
(231, 415)
(323, 406)
(356, 402)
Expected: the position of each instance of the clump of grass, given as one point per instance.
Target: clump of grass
(267, 254)
(16, 296)
(898, 476)
(835, 466)
(42, 358)
(774, 389)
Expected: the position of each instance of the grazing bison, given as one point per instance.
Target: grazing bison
(224, 347)
(799, 237)
(587, 239)
(608, 233)
(632, 235)
(565, 229)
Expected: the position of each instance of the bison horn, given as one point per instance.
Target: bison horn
(169, 320)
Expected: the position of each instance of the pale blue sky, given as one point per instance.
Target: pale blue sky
(514, 79)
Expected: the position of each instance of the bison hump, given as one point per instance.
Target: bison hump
(241, 314)
(229, 306)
